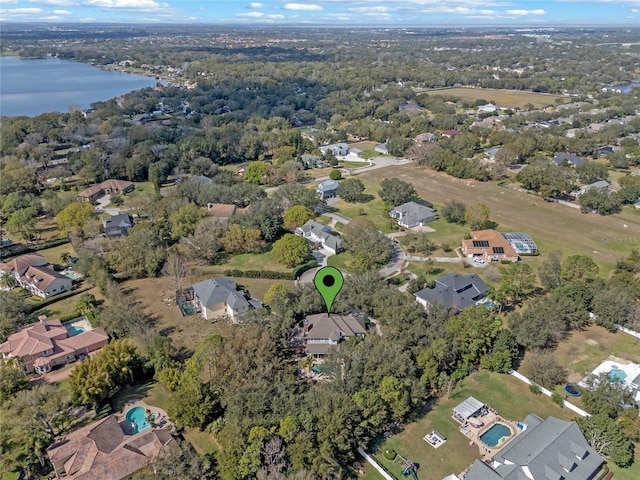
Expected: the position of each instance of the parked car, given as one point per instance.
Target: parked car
(478, 260)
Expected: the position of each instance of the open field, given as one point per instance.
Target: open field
(374, 210)
(510, 397)
(552, 226)
(53, 254)
(501, 98)
(157, 298)
(67, 306)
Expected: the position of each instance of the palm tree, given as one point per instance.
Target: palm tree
(65, 257)
(308, 363)
(498, 297)
(86, 304)
(7, 280)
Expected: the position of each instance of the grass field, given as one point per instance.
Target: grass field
(374, 210)
(53, 254)
(501, 98)
(509, 396)
(552, 226)
(67, 306)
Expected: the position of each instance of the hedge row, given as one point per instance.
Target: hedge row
(33, 248)
(273, 275)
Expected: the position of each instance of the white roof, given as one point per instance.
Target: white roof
(467, 408)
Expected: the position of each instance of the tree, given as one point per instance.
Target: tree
(454, 212)
(86, 304)
(177, 269)
(13, 313)
(12, 380)
(549, 272)
(180, 461)
(611, 304)
(394, 192)
(23, 223)
(602, 200)
(579, 268)
(477, 215)
(350, 190)
(296, 216)
(291, 250)
(277, 297)
(238, 239)
(185, 219)
(255, 172)
(65, 258)
(74, 217)
(518, 280)
(370, 248)
(604, 396)
(629, 188)
(591, 171)
(543, 369)
(335, 174)
(7, 280)
(607, 438)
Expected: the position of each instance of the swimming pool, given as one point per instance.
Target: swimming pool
(138, 416)
(616, 374)
(73, 330)
(495, 434)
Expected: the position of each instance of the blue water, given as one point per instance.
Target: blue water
(626, 87)
(492, 436)
(72, 330)
(32, 87)
(617, 375)
(138, 416)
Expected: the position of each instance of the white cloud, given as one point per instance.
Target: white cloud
(275, 17)
(126, 4)
(250, 15)
(635, 10)
(256, 5)
(307, 7)
(62, 12)
(370, 9)
(8, 2)
(526, 12)
(21, 11)
(55, 3)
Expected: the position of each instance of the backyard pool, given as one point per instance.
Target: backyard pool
(73, 330)
(138, 416)
(495, 435)
(188, 308)
(616, 374)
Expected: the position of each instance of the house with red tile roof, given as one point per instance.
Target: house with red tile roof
(33, 273)
(490, 246)
(107, 187)
(45, 344)
(102, 451)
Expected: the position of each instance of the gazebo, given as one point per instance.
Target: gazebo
(471, 407)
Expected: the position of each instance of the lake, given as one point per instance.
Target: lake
(32, 87)
(625, 87)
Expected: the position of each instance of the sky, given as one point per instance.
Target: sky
(343, 13)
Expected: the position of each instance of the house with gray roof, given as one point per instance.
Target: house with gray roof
(220, 297)
(414, 214)
(327, 189)
(491, 153)
(592, 185)
(338, 149)
(320, 236)
(550, 449)
(323, 331)
(570, 158)
(454, 291)
(117, 225)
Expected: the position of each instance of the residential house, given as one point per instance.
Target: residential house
(550, 449)
(424, 138)
(107, 187)
(327, 189)
(605, 150)
(102, 451)
(33, 273)
(45, 344)
(456, 292)
(449, 133)
(117, 225)
(490, 246)
(491, 153)
(320, 236)
(410, 108)
(414, 214)
(5, 242)
(310, 161)
(323, 331)
(338, 149)
(220, 297)
(570, 158)
(522, 243)
(595, 184)
(221, 211)
(488, 108)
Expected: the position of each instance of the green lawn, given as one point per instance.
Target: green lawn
(151, 393)
(53, 254)
(510, 397)
(249, 261)
(374, 210)
(67, 306)
(343, 261)
(202, 442)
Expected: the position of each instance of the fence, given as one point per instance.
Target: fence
(375, 464)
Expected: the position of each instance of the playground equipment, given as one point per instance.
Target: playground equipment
(409, 468)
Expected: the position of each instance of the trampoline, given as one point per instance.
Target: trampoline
(572, 390)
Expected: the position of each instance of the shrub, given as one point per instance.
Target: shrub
(335, 174)
(535, 389)
(557, 398)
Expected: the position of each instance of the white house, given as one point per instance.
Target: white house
(220, 297)
(319, 234)
(33, 273)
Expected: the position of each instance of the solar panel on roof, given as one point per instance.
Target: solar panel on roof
(481, 243)
(498, 250)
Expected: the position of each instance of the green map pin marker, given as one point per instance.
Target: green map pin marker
(328, 282)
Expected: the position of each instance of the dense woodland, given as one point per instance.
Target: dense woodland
(249, 97)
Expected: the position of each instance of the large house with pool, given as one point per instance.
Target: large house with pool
(35, 274)
(45, 344)
(103, 451)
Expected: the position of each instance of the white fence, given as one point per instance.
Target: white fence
(627, 330)
(569, 405)
(370, 459)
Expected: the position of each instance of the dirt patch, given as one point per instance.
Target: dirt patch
(592, 342)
